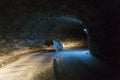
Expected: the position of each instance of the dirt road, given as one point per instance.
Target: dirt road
(72, 64)
(80, 64)
(33, 66)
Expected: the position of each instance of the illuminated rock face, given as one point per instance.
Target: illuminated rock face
(57, 46)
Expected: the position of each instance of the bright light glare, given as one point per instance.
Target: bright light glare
(86, 31)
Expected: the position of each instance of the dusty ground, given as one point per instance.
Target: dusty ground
(33, 66)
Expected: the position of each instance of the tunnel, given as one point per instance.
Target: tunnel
(28, 20)
(92, 23)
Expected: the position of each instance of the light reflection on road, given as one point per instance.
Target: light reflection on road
(81, 64)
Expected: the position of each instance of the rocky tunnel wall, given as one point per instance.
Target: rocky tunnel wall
(23, 23)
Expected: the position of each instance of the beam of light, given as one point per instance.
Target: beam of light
(70, 19)
(73, 19)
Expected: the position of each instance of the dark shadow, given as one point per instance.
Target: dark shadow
(56, 71)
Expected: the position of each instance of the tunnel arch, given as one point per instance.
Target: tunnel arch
(93, 35)
(70, 24)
